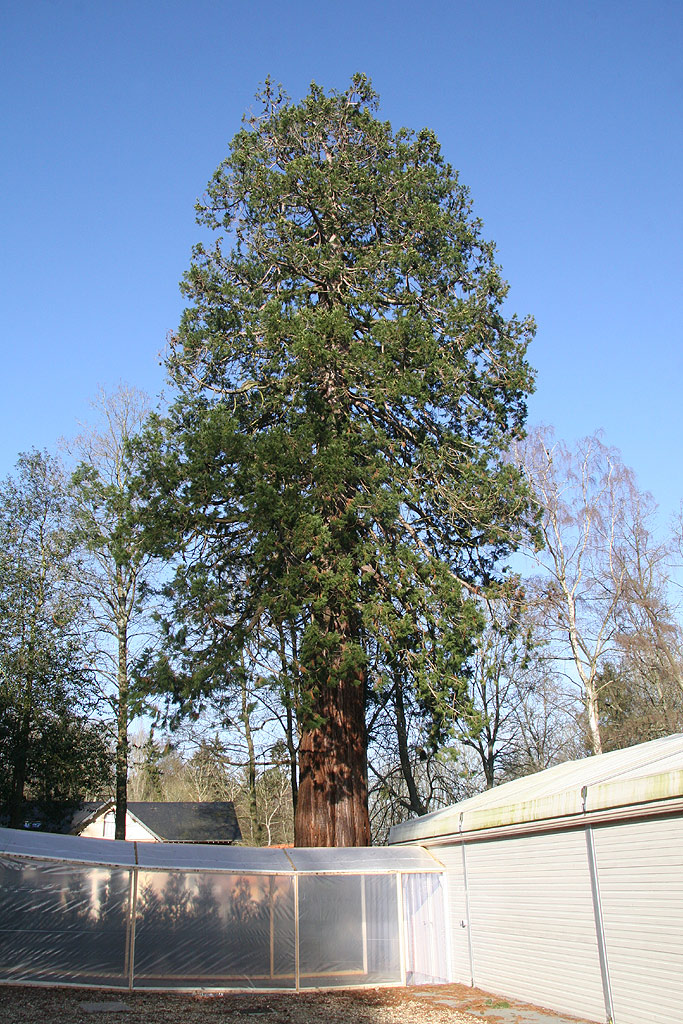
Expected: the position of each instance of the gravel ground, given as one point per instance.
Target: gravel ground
(441, 1004)
(33, 1005)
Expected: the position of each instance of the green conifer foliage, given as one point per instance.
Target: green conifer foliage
(346, 387)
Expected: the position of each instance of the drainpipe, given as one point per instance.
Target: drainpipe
(467, 922)
(597, 914)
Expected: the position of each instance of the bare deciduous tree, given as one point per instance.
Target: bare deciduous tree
(585, 496)
(113, 575)
(486, 720)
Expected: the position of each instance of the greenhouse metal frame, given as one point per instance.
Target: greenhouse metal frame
(160, 916)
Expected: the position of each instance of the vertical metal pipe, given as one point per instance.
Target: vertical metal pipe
(599, 925)
(468, 917)
(401, 926)
(296, 932)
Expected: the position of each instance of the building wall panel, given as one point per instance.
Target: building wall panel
(640, 874)
(103, 827)
(451, 858)
(532, 922)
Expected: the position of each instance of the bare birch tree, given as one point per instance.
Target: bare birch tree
(644, 687)
(486, 720)
(585, 497)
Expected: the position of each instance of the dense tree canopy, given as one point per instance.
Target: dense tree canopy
(333, 464)
(48, 748)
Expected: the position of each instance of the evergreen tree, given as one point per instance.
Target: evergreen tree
(48, 751)
(346, 387)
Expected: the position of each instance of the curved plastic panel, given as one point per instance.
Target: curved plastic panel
(363, 859)
(64, 923)
(213, 917)
(206, 857)
(48, 846)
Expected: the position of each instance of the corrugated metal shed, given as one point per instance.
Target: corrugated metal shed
(565, 888)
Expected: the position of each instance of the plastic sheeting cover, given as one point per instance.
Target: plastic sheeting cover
(243, 918)
(363, 859)
(207, 857)
(426, 931)
(214, 930)
(210, 857)
(348, 930)
(48, 846)
(64, 923)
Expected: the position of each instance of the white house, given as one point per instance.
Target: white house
(165, 822)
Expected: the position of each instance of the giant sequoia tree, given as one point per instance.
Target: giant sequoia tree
(346, 388)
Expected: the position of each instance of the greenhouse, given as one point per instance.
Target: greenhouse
(163, 916)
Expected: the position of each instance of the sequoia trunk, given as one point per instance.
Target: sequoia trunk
(332, 804)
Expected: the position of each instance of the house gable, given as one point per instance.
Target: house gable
(156, 821)
(100, 824)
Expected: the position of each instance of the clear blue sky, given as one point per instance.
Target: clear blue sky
(564, 119)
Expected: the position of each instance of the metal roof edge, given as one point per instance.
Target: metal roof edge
(607, 816)
(571, 804)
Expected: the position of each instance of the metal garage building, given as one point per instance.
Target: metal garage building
(565, 888)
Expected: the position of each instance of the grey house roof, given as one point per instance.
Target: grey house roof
(182, 822)
(214, 822)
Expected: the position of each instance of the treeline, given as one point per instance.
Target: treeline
(76, 609)
(335, 571)
(579, 651)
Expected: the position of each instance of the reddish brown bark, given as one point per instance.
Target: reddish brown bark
(332, 804)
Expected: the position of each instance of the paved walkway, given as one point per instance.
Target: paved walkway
(491, 1008)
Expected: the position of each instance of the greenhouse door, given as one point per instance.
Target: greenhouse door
(425, 930)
